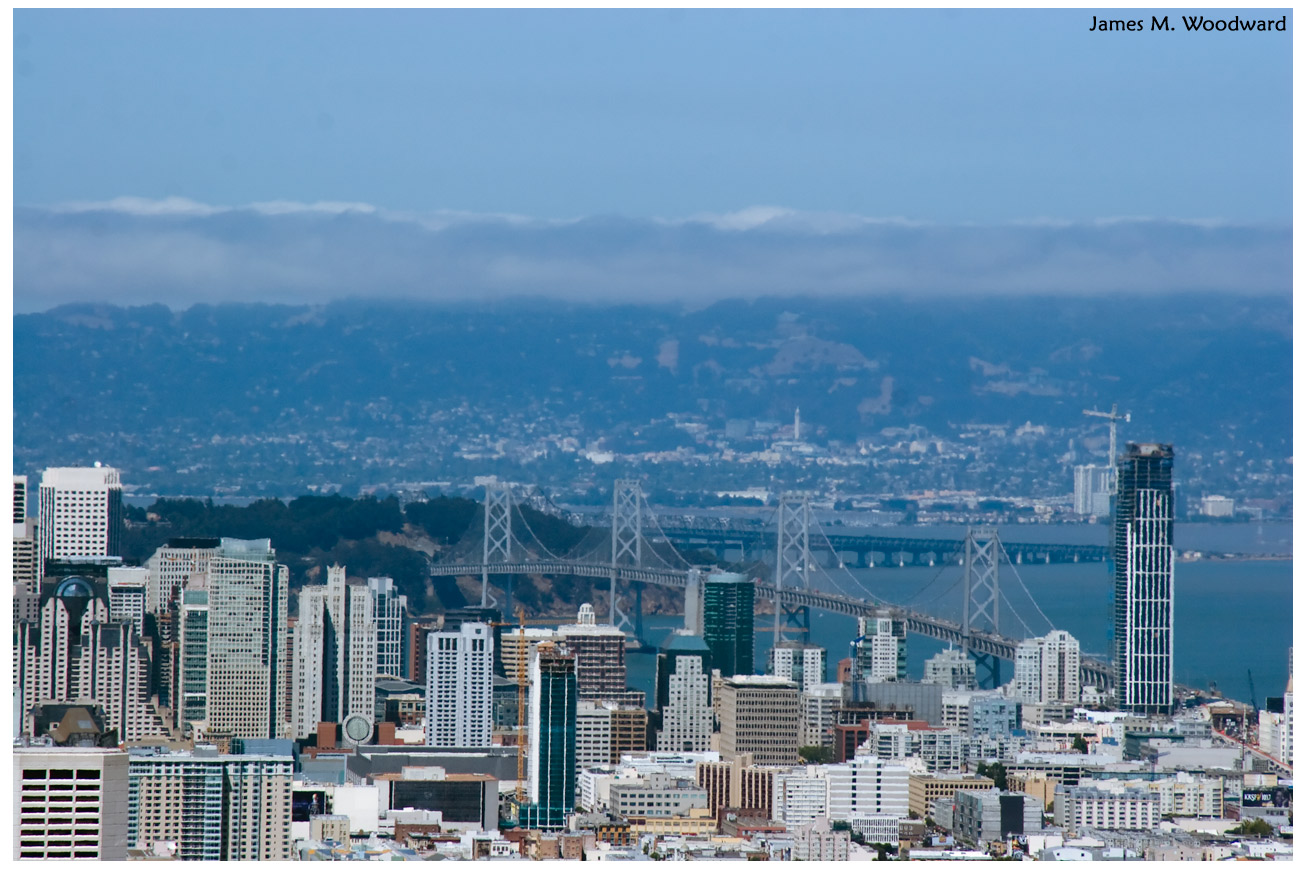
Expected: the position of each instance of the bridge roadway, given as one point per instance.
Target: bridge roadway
(1091, 672)
(892, 549)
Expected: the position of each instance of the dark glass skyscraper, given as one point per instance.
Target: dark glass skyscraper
(1142, 552)
(552, 749)
(728, 622)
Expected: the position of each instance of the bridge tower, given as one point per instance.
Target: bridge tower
(980, 606)
(793, 561)
(627, 535)
(497, 543)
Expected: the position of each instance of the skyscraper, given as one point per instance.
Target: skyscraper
(25, 572)
(172, 565)
(86, 787)
(600, 652)
(193, 658)
(551, 774)
(80, 513)
(684, 694)
(1047, 669)
(880, 649)
(247, 666)
(728, 623)
(334, 654)
(390, 610)
(803, 663)
(460, 686)
(1142, 555)
(760, 716)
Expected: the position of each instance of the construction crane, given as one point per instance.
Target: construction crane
(1112, 418)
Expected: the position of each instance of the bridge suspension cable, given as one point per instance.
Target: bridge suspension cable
(1028, 594)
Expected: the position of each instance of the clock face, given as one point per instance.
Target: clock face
(357, 728)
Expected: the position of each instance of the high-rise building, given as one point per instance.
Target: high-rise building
(551, 773)
(600, 652)
(728, 623)
(802, 663)
(1093, 490)
(418, 632)
(819, 705)
(460, 686)
(760, 716)
(247, 667)
(335, 655)
(25, 571)
(76, 651)
(212, 807)
(127, 596)
(867, 786)
(80, 514)
(683, 694)
(950, 668)
(391, 612)
(1142, 554)
(1285, 736)
(69, 802)
(172, 565)
(193, 658)
(880, 650)
(1047, 669)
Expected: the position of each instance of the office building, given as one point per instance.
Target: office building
(1082, 806)
(460, 685)
(600, 654)
(390, 610)
(800, 796)
(75, 651)
(193, 656)
(760, 717)
(950, 668)
(462, 799)
(867, 786)
(80, 514)
(683, 694)
(551, 775)
(1047, 669)
(728, 623)
(213, 807)
(802, 663)
(69, 802)
(1093, 490)
(991, 815)
(923, 789)
(127, 596)
(737, 784)
(26, 591)
(1142, 553)
(817, 841)
(172, 565)
(334, 655)
(517, 645)
(819, 704)
(656, 795)
(880, 650)
(247, 666)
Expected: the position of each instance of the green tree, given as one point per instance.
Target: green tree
(1080, 745)
(816, 754)
(995, 772)
(1254, 828)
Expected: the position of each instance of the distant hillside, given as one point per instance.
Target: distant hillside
(262, 399)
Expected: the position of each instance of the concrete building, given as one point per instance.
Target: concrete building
(247, 665)
(815, 841)
(465, 800)
(880, 650)
(760, 716)
(923, 789)
(683, 694)
(657, 795)
(518, 645)
(600, 652)
(172, 565)
(127, 596)
(1142, 553)
(737, 784)
(950, 668)
(819, 703)
(1131, 809)
(1093, 490)
(605, 731)
(193, 659)
(334, 658)
(1217, 506)
(800, 797)
(728, 622)
(76, 651)
(26, 581)
(212, 806)
(1047, 669)
(69, 802)
(992, 815)
(460, 686)
(994, 716)
(80, 514)
(801, 663)
(867, 786)
(390, 610)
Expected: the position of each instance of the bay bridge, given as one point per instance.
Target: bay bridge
(630, 556)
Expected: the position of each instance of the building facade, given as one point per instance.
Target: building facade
(728, 623)
(80, 514)
(551, 772)
(880, 650)
(390, 610)
(600, 652)
(69, 802)
(950, 668)
(867, 786)
(172, 565)
(1047, 669)
(760, 717)
(1142, 553)
(684, 695)
(334, 674)
(802, 663)
(460, 686)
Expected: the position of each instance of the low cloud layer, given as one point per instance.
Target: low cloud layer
(179, 252)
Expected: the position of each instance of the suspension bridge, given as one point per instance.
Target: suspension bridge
(630, 556)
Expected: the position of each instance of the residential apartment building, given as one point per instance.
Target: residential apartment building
(867, 786)
(69, 802)
(1047, 669)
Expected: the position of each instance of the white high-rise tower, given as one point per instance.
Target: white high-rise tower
(335, 654)
(459, 686)
(80, 514)
(1047, 669)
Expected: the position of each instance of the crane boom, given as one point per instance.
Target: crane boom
(1112, 417)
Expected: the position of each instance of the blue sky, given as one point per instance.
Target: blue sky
(929, 115)
(184, 156)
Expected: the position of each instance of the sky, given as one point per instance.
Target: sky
(217, 146)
